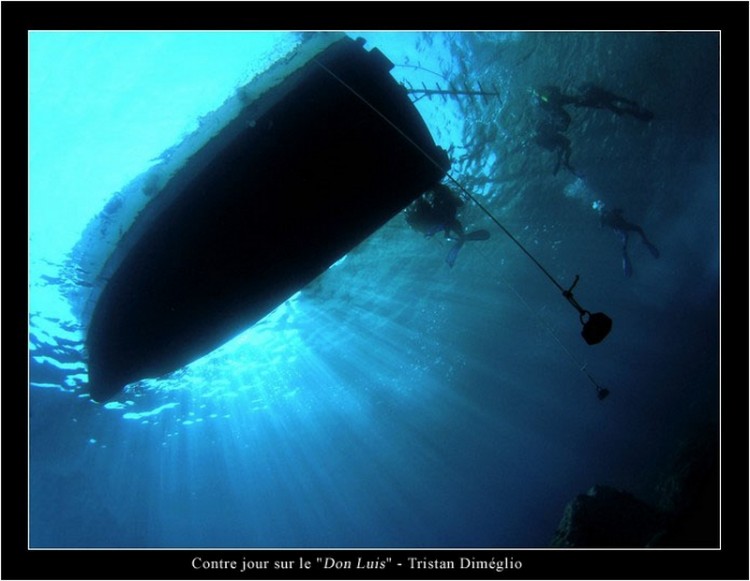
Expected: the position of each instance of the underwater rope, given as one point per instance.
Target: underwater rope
(601, 392)
(596, 326)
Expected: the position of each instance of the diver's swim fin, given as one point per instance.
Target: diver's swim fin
(453, 252)
(652, 249)
(478, 235)
(642, 114)
(434, 230)
(627, 268)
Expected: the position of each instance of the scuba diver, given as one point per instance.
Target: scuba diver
(554, 120)
(436, 210)
(551, 100)
(614, 219)
(548, 137)
(595, 97)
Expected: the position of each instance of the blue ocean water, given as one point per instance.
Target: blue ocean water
(395, 402)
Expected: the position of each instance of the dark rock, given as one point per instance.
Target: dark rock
(686, 515)
(607, 517)
(689, 493)
(692, 469)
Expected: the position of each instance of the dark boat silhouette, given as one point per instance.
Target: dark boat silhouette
(284, 179)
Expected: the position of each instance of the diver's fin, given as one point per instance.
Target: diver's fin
(453, 252)
(478, 235)
(434, 230)
(642, 114)
(652, 249)
(627, 268)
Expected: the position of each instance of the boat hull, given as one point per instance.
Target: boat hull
(300, 177)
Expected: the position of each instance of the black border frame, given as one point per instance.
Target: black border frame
(731, 18)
